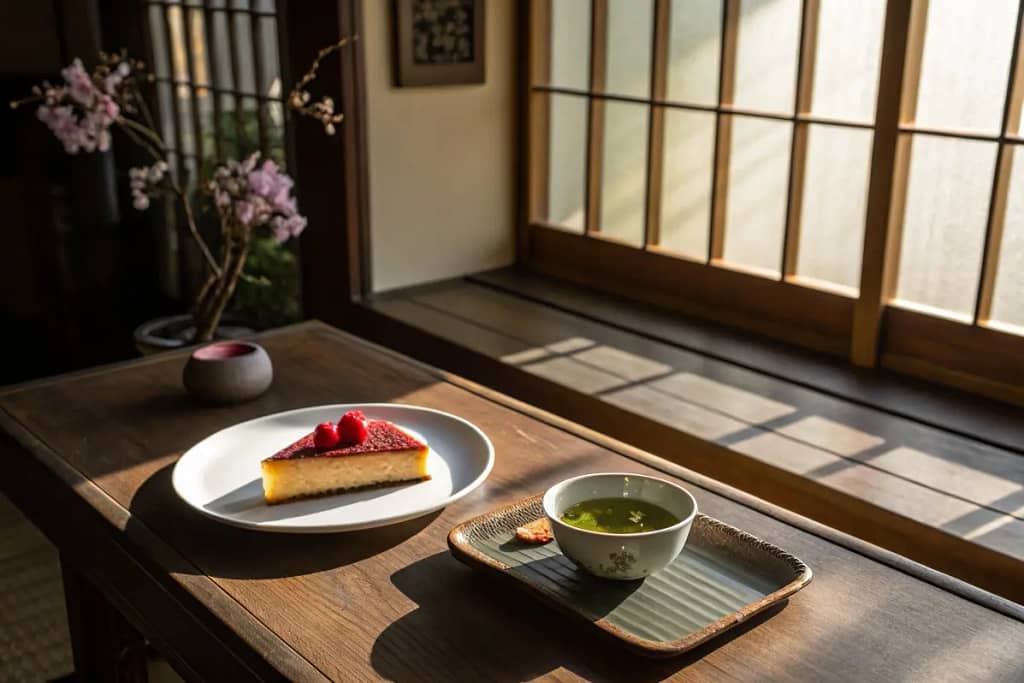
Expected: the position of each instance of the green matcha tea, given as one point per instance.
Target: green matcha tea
(618, 516)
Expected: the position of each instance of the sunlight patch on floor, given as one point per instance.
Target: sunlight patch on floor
(525, 356)
(677, 414)
(785, 454)
(981, 487)
(580, 364)
(571, 344)
(898, 495)
(739, 403)
(555, 349)
(992, 526)
(622, 363)
(993, 530)
(830, 435)
(574, 374)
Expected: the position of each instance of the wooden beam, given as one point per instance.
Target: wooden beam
(979, 359)
(190, 66)
(1000, 183)
(215, 79)
(902, 43)
(261, 78)
(800, 135)
(955, 133)
(656, 125)
(595, 114)
(235, 58)
(993, 235)
(175, 112)
(535, 44)
(723, 128)
(913, 51)
(803, 117)
(808, 317)
(332, 176)
(356, 172)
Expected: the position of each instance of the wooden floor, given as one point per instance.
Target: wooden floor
(774, 437)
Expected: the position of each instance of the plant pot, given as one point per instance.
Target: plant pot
(175, 331)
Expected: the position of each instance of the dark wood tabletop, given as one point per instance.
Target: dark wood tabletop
(88, 457)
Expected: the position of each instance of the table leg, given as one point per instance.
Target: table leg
(106, 648)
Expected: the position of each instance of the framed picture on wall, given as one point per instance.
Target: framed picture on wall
(439, 42)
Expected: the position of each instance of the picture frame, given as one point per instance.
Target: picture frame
(439, 42)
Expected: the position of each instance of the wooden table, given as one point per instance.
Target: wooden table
(88, 458)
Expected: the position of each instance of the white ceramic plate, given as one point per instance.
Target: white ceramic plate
(220, 476)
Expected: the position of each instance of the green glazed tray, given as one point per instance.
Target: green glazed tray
(723, 577)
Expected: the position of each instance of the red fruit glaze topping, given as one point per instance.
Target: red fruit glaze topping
(326, 435)
(352, 427)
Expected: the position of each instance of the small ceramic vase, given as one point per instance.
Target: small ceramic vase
(228, 372)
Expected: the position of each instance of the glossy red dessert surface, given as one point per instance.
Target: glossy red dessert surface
(383, 436)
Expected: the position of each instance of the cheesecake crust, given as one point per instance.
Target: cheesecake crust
(352, 489)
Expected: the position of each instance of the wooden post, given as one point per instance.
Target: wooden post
(536, 46)
(656, 123)
(595, 114)
(902, 46)
(331, 171)
(723, 128)
(105, 647)
(801, 132)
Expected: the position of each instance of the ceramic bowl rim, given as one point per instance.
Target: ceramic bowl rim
(252, 348)
(548, 505)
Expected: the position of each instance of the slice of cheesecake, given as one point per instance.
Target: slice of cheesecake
(388, 455)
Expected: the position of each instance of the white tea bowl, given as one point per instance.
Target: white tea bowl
(620, 556)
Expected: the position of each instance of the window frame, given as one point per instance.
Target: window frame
(868, 326)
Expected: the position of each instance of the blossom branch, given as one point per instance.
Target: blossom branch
(249, 196)
(146, 114)
(128, 130)
(190, 220)
(27, 100)
(322, 110)
(155, 138)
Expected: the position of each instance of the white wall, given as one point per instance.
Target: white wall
(442, 161)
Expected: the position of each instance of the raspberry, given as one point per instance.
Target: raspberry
(326, 435)
(353, 427)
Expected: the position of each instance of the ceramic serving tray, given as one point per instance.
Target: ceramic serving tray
(722, 578)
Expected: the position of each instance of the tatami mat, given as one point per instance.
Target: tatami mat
(34, 641)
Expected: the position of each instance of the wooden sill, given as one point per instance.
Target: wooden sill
(981, 419)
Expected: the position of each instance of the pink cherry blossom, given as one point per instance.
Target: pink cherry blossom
(258, 195)
(80, 85)
(78, 113)
(245, 212)
(146, 182)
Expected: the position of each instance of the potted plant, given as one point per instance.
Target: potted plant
(251, 199)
